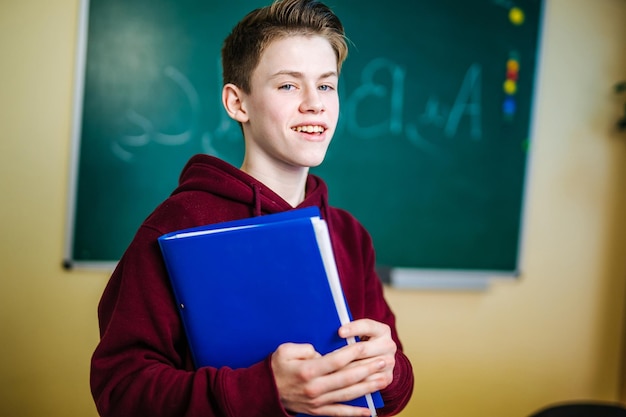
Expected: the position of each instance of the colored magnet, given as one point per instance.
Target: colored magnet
(516, 16)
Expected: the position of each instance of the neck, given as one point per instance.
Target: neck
(289, 184)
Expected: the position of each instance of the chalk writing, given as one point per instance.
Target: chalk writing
(382, 82)
(468, 103)
(121, 147)
(394, 94)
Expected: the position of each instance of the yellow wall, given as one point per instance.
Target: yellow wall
(554, 334)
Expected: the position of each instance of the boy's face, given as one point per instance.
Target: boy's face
(292, 110)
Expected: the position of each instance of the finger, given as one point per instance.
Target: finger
(342, 410)
(352, 391)
(364, 328)
(340, 358)
(378, 342)
(296, 351)
(350, 375)
(362, 362)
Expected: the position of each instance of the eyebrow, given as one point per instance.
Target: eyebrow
(298, 74)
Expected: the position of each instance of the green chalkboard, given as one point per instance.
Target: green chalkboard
(431, 150)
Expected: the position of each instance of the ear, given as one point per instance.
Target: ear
(232, 99)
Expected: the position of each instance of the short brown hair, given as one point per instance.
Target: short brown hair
(243, 47)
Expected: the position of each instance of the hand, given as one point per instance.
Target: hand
(379, 346)
(313, 384)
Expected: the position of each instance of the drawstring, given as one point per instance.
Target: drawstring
(324, 209)
(256, 191)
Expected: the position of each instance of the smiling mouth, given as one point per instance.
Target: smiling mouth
(309, 129)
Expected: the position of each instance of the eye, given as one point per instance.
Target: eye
(326, 87)
(287, 87)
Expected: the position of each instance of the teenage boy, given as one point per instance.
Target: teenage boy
(281, 67)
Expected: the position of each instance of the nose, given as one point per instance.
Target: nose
(311, 101)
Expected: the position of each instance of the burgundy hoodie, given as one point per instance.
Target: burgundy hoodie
(142, 365)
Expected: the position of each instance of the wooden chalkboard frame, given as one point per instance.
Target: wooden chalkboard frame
(399, 122)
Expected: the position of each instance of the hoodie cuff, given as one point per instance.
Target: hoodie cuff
(252, 392)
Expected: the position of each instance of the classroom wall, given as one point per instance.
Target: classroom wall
(553, 334)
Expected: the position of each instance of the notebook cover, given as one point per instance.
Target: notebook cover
(244, 291)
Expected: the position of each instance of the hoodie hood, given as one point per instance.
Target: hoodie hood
(210, 174)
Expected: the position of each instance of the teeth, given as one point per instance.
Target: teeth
(309, 129)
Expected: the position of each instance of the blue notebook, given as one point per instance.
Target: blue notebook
(246, 286)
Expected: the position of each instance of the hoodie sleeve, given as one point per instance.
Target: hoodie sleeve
(142, 365)
(363, 289)
(397, 395)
